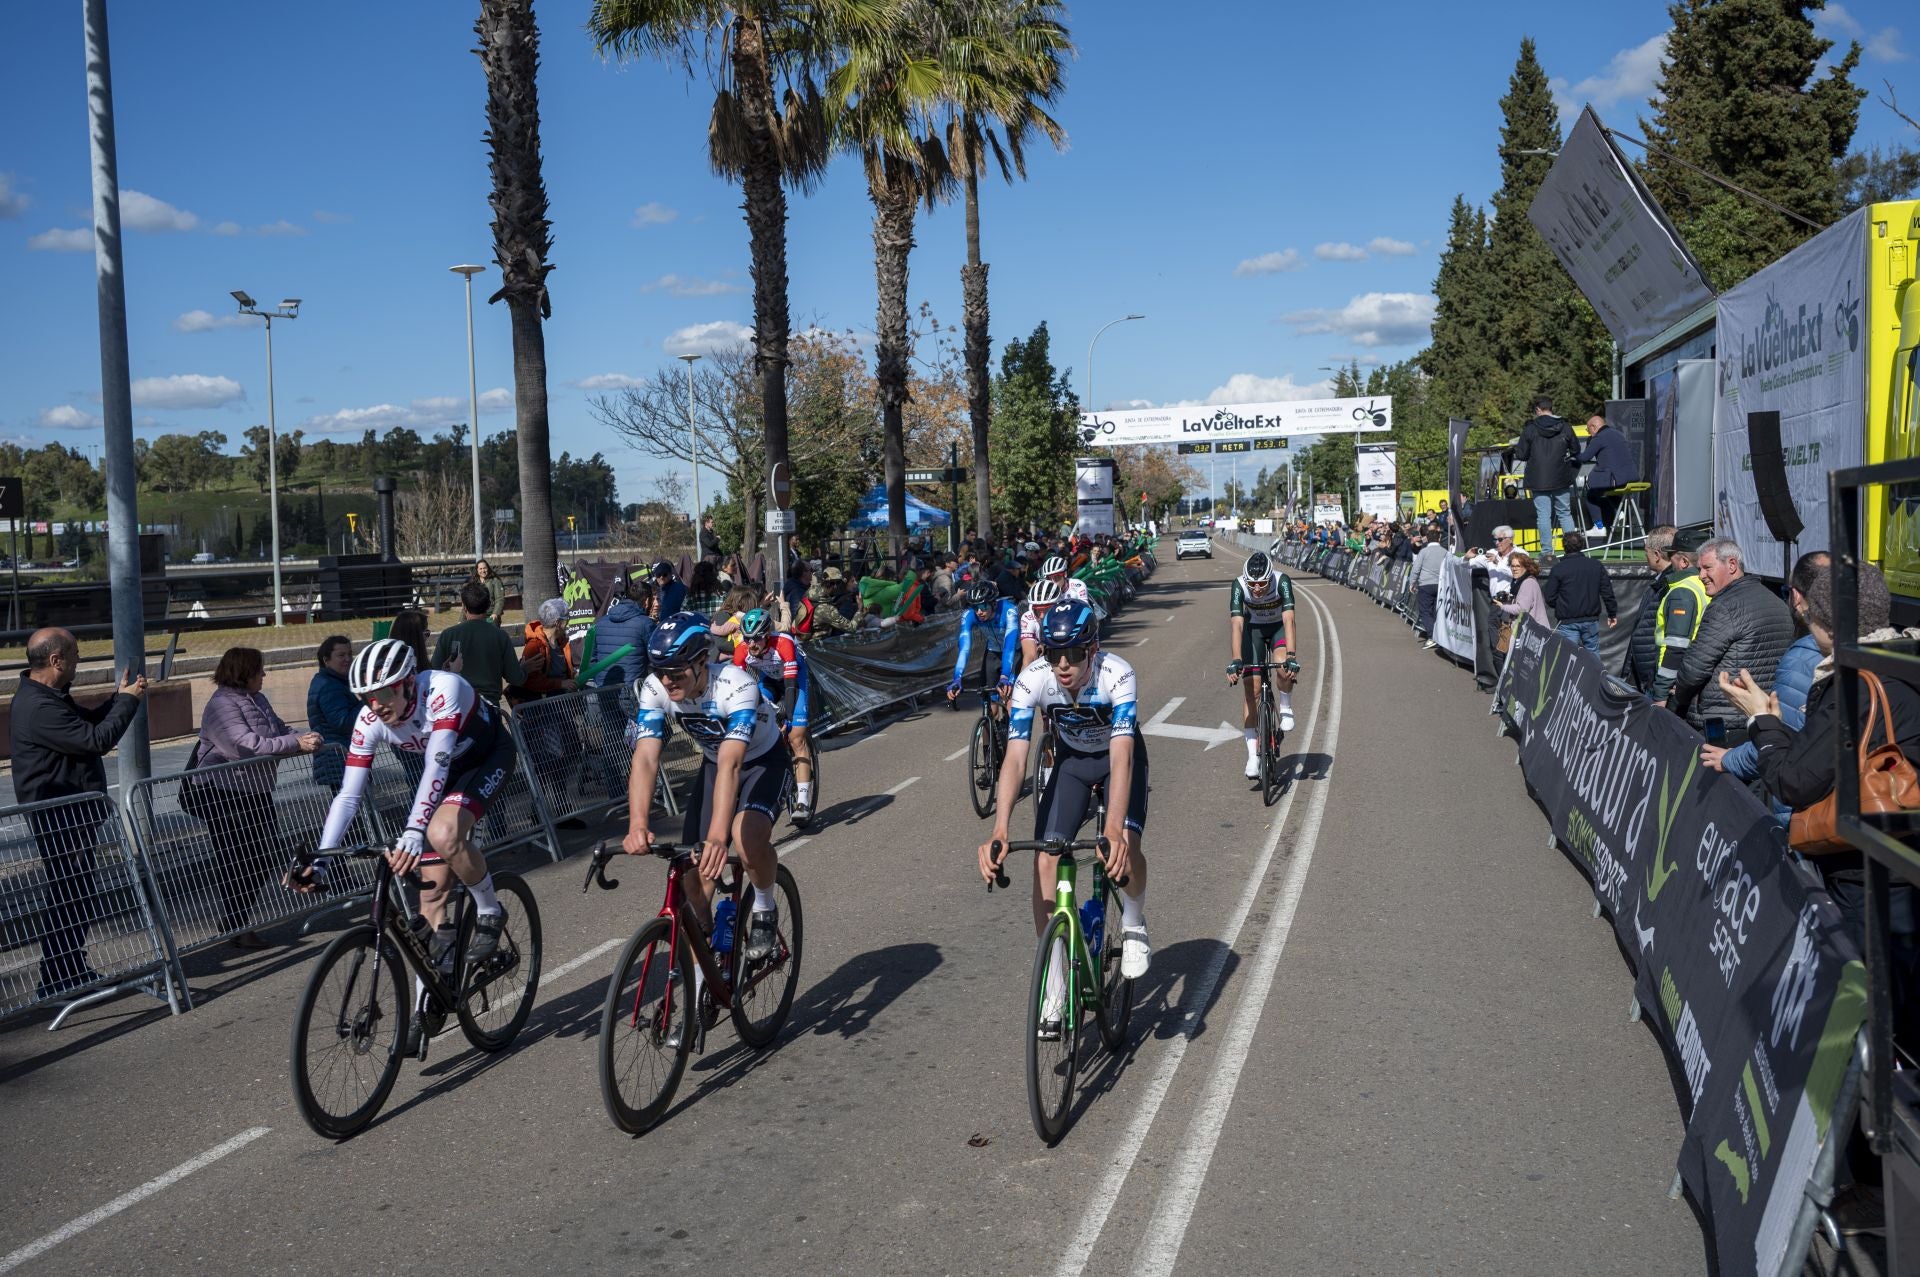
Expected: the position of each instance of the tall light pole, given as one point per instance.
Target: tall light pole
(289, 309)
(693, 453)
(1096, 337)
(473, 409)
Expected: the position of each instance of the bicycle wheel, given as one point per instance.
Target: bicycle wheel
(347, 1033)
(1038, 764)
(763, 990)
(1116, 992)
(983, 771)
(495, 1002)
(1052, 1064)
(646, 1028)
(1268, 726)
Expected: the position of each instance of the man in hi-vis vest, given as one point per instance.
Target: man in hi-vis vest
(1677, 622)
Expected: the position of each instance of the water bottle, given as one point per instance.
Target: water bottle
(723, 926)
(421, 928)
(1093, 924)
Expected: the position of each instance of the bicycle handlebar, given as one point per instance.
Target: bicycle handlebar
(604, 854)
(1048, 847)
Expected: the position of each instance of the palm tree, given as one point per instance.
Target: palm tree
(756, 134)
(522, 237)
(1003, 70)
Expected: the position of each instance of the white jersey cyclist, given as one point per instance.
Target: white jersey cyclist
(1055, 569)
(732, 709)
(1085, 724)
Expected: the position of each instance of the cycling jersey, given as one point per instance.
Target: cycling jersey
(454, 731)
(1073, 588)
(1003, 637)
(1262, 609)
(732, 709)
(781, 664)
(1104, 710)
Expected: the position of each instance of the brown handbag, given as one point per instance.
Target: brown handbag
(1888, 783)
(1503, 637)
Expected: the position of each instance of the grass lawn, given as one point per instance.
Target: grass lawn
(264, 637)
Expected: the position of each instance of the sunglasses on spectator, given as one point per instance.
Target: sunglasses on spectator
(1067, 656)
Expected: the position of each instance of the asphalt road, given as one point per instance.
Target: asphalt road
(1382, 1034)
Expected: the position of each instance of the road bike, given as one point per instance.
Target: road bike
(1273, 776)
(350, 1029)
(984, 754)
(647, 1027)
(1090, 939)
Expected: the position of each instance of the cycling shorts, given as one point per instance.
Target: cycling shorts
(1064, 805)
(1257, 640)
(477, 781)
(763, 782)
(774, 691)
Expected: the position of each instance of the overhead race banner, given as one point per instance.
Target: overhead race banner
(1093, 485)
(1236, 421)
(1378, 479)
(1613, 240)
(1788, 341)
(1755, 991)
(1453, 619)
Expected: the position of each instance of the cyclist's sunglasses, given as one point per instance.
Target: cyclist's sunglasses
(382, 695)
(677, 673)
(1067, 655)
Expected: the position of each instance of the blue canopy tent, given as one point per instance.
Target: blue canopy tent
(873, 512)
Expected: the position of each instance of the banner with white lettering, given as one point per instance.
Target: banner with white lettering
(1755, 991)
(1194, 423)
(1453, 622)
(1788, 341)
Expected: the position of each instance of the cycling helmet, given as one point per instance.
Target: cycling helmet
(981, 594)
(1044, 594)
(381, 663)
(1258, 569)
(756, 624)
(680, 640)
(1055, 565)
(1069, 623)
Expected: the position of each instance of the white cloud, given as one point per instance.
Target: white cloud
(691, 286)
(332, 219)
(1388, 247)
(1885, 46)
(704, 339)
(202, 321)
(610, 381)
(67, 417)
(1269, 263)
(282, 227)
(1246, 387)
(1365, 361)
(12, 203)
(1630, 77)
(58, 240)
(499, 399)
(653, 213)
(1371, 319)
(1842, 22)
(227, 228)
(431, 414)
(142, 212)
(186, 390)
(1341, 252)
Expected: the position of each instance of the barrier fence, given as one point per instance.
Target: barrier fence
(1742, 965)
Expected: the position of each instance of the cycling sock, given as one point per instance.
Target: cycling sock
(1286, 700)
(483, 898)
(803, 791)
(1252, 735)
(1133, 909)
(419, 991)
(764, 900)
(1056, 997)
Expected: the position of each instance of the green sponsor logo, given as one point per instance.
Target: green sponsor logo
(1760, 1128)
(1669, 995)
(1550, 663)
(1663, 868)
(1736, 1166)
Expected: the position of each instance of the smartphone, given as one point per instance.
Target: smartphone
(1716, 731)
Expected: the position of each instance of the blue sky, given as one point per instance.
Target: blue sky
(1268, 184)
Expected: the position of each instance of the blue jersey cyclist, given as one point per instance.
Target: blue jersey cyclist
(1089, 699)
(743, 770)
(1000, 617)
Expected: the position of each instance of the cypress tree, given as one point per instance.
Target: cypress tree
(1738, 98)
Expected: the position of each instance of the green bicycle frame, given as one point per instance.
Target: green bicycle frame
(1083, 965)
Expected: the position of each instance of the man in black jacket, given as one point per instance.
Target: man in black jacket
(57, 748)
(1579, 591)
(1748, 627)
(1643, 652)
(1613, 468)
(1550, 451)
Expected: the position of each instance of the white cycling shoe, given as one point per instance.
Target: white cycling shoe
(1286, 719)
(1136, 954)
(1253, 767)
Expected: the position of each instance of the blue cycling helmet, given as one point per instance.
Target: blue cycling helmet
(680, 640)
(1069, 623)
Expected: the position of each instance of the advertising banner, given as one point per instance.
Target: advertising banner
(1379, 482)
(1329, 508)
(1236, 421)
(1093, 486)
(1456, 453)
(1614, 242)
(1453, 622)
(1788, 341)
(1754, 989)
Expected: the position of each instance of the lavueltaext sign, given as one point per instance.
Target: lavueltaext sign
(1236, 421)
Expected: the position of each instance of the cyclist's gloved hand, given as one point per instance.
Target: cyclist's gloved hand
(309, 879)
(1233, 671)
(406, 853)
(1291, 665)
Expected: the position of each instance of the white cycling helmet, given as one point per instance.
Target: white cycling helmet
(1056, 565)
(1044, 594)
(380, 664)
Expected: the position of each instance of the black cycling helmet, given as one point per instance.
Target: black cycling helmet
(679, 641)
(982, 595)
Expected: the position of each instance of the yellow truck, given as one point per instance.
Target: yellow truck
(1893, 405)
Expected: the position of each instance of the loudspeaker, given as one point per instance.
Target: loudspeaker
(1770, 477)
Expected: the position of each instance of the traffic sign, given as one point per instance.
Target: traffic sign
(11, 506)
(952, 474)
(781, 481)
(781, 522)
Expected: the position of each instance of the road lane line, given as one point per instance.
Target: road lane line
(1167, 1228)
(795, 845)
(956, 753)
(548, 977)
(1107, 1193)
(72, 1229)
(895, 791)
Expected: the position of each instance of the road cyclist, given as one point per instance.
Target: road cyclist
(781, 666)
(1055, 570)
(1044, 594)
(1260, 621)
(999, 617)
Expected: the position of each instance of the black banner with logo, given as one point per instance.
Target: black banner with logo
(1456, 452)
(1754, 990)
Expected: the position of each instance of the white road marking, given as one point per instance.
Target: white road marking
(901, 786)
(1107, 1192)
(1160, 1246)
(957, 753)
(74, 1228)
(1213, 736)
(548, 977)
(795, 845)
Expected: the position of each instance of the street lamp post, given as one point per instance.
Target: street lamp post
(473, 409)
(1096, 337)
(289, 309)
(693, 454)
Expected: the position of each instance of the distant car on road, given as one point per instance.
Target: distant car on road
(1194, 542)
(205, 556)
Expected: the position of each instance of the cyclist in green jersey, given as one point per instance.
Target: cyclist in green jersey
(1260, 618)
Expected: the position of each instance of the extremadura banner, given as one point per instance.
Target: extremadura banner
(1755, 991)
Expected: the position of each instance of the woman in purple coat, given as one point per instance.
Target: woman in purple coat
(237, 723)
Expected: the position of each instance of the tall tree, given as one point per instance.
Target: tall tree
(1035, 434)
(1463, 356)
(1003, 69)
(522, 238)
(1738, 97)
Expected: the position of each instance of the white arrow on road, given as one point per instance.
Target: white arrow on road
(1213, 736)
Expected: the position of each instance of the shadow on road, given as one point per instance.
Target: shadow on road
(851, 812)
(1309, 766)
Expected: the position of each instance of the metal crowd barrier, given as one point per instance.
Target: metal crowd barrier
(77, 922)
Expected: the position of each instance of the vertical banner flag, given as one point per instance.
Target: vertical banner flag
(1456, 452)
(1788, 341)
(1378, 475)
(1453, 624)
(1093, 484)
